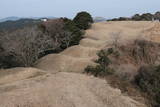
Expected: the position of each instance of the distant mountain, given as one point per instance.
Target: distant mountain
(9, 19)
(13, 23)
(99, 19)
(21, 23)
(13, 18)
(48, 17)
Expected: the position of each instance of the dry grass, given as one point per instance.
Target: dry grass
(69, 89)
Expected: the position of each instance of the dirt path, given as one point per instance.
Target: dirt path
(60, 83)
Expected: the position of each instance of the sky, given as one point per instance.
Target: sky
(69, 8)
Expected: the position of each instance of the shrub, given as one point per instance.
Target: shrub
(94, 70)
(103, 57)
(157, 15)
(147, 17)
(83, 20)
(103, 62)
(148, 80)
(136, 17)
(143, 17)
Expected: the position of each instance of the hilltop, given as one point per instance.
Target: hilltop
(57, 80)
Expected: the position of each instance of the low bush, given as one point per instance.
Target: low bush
(148, 79)
(128, 73)
(136, 17)
(102, 68)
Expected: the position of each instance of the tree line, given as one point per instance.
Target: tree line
(139, 17)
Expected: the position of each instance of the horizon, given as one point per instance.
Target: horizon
(59, 8)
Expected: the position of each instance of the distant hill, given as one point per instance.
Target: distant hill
(13, 25)
(99, 19)
(14, 18)
(9, 19)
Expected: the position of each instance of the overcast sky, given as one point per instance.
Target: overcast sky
(68, 8)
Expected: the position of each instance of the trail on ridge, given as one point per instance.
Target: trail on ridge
(56, 80)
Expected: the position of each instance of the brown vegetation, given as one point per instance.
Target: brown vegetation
(73, 89)
(22, 47)
(120, 66)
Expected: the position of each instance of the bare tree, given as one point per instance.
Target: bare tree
(65, 38)
(68, 38)
(56, 30)
(25, 45)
